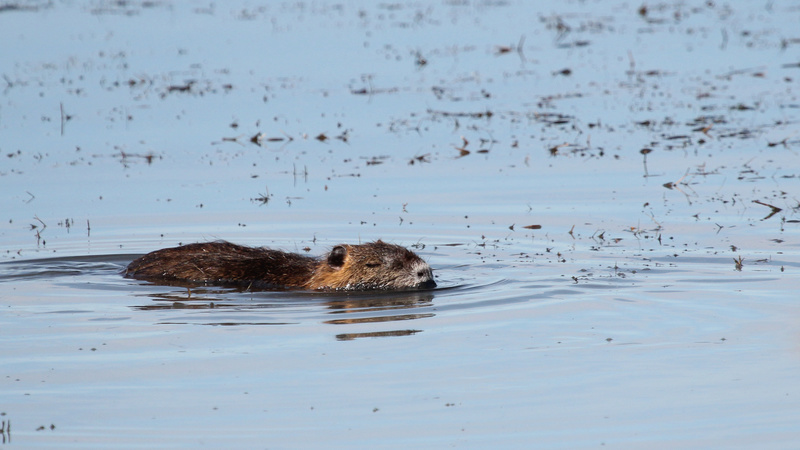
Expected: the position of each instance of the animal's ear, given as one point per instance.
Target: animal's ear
(337, 256)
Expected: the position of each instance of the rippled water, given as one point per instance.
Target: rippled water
(607, 193)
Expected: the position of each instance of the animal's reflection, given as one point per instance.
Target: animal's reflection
(347, 309)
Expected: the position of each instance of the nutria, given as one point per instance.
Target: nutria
(374, 265)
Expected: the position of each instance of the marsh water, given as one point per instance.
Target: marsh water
(608, 192)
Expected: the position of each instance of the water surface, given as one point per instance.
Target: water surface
(607, 192)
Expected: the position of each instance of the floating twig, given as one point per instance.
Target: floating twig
(775, 209)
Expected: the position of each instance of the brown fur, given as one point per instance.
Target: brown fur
(374, 265)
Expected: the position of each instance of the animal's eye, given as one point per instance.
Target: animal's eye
(421, 273)
(372, 265)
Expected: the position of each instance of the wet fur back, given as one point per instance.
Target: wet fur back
(223, 263)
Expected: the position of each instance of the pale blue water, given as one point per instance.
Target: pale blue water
(621, 322)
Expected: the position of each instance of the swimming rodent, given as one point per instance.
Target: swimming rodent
(374, 265)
